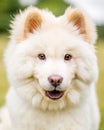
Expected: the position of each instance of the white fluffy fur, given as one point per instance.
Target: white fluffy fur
(27, 107)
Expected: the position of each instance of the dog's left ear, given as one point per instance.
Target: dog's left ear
(26, 23)
(82, 23)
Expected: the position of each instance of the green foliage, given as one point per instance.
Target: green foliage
(100, 32)
(4, 22)
(3, 6)
(7, 8)
(56, 6)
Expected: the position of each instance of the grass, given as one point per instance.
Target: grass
(3, 79)
(100, 89)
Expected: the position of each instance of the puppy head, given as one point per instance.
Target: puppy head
(51, 61)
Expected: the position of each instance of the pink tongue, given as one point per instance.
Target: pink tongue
(54, 94)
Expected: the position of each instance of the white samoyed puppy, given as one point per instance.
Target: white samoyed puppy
(52, 71)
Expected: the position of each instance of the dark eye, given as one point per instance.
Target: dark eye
(42, 56)
(67, 57)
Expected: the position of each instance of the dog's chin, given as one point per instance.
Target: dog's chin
(54, 94)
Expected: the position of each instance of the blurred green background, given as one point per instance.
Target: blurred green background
(8, 8)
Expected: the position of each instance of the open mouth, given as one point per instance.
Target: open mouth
(54, 94)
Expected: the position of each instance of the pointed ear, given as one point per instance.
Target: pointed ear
(33, 22)
(85, 26)
(27, 22)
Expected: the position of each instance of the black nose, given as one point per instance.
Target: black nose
(55, 80)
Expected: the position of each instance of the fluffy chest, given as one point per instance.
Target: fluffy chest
(24, 117)
(67, 120)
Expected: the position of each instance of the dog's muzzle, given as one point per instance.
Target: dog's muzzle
(55, 81)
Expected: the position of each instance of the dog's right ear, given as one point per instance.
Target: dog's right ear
(83, 24)
(26, 22)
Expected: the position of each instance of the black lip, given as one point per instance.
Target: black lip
(54, 95)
